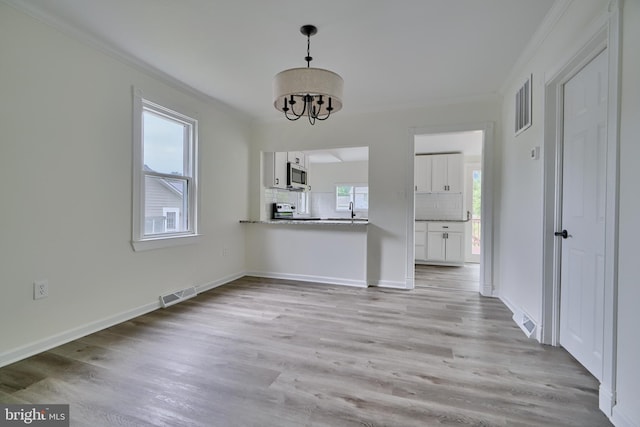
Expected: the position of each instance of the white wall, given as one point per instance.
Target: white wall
(518, 246)
(519, 242)
(627, 412)
(65, 186)
(325, 176)
(389, 137)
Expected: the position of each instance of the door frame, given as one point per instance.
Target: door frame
(604, 35)
(486, 217)
(468, 185)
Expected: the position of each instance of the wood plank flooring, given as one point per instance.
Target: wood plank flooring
(264, 352)
(462, 278)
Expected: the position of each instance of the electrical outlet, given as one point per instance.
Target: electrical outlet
(225, 251)
(40, 289)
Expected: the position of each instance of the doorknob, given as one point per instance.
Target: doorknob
(563, 233)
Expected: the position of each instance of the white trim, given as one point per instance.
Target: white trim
(61, 338)
(164, 242)
(219, 282)
(556, 12)
(605, 36)
(308, 278)
(140, 241)
(486, 253)
(392, 284)
(114, 52)
(621, 419)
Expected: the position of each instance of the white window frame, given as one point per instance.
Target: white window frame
(140, 241)
(353, 186)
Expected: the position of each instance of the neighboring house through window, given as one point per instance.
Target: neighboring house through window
(165, 147)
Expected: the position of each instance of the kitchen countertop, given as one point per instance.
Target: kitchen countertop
(326, 221)
(443, 220)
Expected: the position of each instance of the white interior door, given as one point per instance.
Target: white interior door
(583, 214)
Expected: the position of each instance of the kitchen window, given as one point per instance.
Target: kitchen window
(165, 195)
(358, 194)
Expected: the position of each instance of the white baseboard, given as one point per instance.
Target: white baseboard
(307, 278)
(392, 284)
(48, 343)
(20, 353)
(518, 316)
(605, 400)
(223, 281)
(620, 418)
(486, 290)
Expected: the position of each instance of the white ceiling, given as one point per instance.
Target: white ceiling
(468, 143)
(337, 155)
(391, 54)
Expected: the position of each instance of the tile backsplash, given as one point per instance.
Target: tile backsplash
(439, 206)
(319, 204)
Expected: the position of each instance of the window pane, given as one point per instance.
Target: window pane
(361, 198)
(164, 144)
(165, 205)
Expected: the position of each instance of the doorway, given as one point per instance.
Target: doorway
(463, 206)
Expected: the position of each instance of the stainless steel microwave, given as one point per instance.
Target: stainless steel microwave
(296, 177)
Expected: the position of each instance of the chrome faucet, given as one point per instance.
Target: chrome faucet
(353, 214)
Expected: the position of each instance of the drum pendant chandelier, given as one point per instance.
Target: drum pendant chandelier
(312, 92)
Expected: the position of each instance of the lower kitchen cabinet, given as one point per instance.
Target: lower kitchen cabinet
(420, 239)
(443, 242)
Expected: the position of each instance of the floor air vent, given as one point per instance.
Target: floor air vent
(526, 324)
(176, 297)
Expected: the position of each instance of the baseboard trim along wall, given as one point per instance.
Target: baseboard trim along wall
(392, 284)
(48, 343)
(620, 418)
(524, 321)
(306, 278)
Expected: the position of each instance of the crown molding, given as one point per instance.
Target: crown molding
(94, 42)
(556, 12)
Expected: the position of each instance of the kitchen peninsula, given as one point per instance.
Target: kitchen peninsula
(325, 251)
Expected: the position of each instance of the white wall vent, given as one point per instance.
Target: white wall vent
(524, 104)
(176, 297)
(527, 325)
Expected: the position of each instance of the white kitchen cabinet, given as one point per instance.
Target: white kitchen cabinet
(422, 173)
(297, 157)
(275, 169)
(446, 173)
(444, 242)
(420, 240)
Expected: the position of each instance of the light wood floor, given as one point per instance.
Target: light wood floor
(262, 352)
(462, 278)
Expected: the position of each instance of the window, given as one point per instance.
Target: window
(358, 194)
(164, 176)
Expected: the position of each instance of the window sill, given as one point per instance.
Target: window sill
(164, 242)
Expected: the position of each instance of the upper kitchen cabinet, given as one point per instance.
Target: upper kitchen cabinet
(438, 173)
(275, 169)
(422, 173)
(297, 157)
(446, 173)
